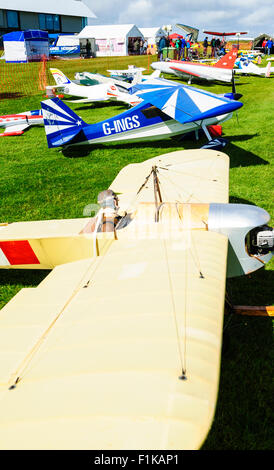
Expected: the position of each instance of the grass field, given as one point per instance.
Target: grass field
(38, 183)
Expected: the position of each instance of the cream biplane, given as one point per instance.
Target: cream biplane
(119, 346)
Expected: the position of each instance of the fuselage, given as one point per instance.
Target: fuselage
(207, 72)
(96, 92)
(101, 92)
(143, 122)
(250, 68)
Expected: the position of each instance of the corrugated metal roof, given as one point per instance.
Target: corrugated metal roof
(62, 7)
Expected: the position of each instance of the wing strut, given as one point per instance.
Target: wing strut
(206, 132)
(157, 192)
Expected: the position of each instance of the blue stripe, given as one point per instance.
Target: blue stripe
(53, 122)
(72, 116)
(218, 111)
(62, 137)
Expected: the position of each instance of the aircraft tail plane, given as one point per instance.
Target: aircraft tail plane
(59, 77)
(227, 61)
(62, 125)
(268, 70)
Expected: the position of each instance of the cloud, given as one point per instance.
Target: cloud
(229, 15)
(141, 11)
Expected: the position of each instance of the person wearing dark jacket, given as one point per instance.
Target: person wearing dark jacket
(269, 45)
(162, 45)
(213, 46)
(205, 46)
(182, 48)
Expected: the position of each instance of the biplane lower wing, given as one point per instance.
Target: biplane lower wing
(119, 351)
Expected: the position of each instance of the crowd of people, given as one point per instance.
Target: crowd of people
(217, 47)
(181, 45)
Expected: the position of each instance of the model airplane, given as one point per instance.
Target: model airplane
(88, 94)
(90, 79)
(167, 109)
(218, 33)
(220, 70)
(16, 124)
(247, 67)
(119, 347)
(128, 74)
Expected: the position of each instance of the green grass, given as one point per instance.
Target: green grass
(38, 183)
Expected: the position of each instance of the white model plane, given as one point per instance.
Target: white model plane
(90, 79)
(119, 347)
(249, 68)
(16, 124)
(167, 109)
(128, 74)
(220, 70)
(88, 94)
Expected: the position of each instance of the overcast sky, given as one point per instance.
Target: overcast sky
(226, 15)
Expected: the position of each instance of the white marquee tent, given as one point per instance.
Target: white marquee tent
(112, 40)
(152, 34)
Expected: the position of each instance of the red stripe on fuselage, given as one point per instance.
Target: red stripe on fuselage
(19, 252)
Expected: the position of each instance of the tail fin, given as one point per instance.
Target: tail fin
(268, 70)
(61, 123)
(227, 61)
(59, 77)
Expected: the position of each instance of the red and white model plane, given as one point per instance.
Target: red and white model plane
(221, 70)
(16, 124)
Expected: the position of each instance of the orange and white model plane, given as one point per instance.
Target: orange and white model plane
(119, 346)
(222, 70)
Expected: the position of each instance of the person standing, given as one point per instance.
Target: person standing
(269, 44)
(188, 46)
(162, 45)
(205, 46)
(213, 46)
(264, 45)
(88, 48)
(145, 45)
(182, 51)
(217, 47)
(177, 49)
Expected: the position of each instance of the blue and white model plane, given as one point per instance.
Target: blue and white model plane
(167, 109)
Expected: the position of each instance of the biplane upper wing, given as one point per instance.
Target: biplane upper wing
(184, 103)
(186, 176)
(121, 351)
